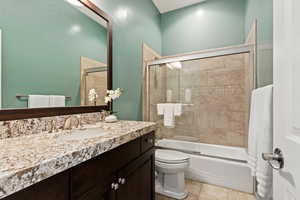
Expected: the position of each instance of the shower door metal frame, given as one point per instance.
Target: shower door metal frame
(247, 48)
(202, 55)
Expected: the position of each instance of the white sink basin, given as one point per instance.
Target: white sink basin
(84, 134)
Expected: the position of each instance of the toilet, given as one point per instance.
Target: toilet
(170, 168)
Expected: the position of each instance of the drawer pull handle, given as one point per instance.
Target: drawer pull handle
(115, 186)
(122, 181)
(149, 140)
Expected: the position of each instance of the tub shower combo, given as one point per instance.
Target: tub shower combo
(201, 102)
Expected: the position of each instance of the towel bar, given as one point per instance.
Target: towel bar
(19, 96)
(184, 104)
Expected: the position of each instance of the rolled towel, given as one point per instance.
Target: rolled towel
(169, 110)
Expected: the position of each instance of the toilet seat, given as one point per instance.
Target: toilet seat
(170, 157)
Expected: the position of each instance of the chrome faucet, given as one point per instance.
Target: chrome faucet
(73, 121)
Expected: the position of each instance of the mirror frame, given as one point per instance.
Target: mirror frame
(14, 114)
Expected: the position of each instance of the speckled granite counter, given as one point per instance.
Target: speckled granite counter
(27, 160)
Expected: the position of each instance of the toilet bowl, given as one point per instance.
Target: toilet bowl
(170, 168)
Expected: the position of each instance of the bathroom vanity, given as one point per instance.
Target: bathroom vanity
(62, 166)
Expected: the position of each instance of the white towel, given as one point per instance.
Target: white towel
(253, 126)
(177, 109)
(57, 101)
(160, 109)
(169, 111)
(264, 172)
(261, 138)
(38, 101)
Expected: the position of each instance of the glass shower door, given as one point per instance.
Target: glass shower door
(214, 94)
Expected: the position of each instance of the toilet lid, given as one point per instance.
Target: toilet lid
(168, 156)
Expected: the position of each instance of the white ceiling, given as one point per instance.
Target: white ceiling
(169, 5)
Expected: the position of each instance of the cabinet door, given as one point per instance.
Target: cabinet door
(94, 177)
(136, 182)
(54, 188)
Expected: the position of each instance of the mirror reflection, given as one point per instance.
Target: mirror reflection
(55, 57)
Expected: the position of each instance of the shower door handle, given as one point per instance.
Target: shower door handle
(275, 160)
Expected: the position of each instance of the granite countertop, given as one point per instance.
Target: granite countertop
(26, 160)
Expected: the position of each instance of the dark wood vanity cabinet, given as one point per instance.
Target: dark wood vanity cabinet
(54, 188)
(124, 173)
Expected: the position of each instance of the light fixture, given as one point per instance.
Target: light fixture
(177, 65)
(174, 65)
(122, 13)
(75, 29)
(199, 12)
(75, 3)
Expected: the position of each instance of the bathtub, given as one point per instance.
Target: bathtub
(214, 164)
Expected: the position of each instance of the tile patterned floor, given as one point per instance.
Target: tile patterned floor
(202, 191)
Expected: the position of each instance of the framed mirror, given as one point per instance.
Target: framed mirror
(56, 58)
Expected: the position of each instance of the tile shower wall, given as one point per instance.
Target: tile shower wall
(95, 80)
(217, 112)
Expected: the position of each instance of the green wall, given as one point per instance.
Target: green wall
(141, 23)
(262, 11)
(135, 22)
(41, 53)
(218, 23)
(215, 23)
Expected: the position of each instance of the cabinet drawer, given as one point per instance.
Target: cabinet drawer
(126, 153)
(148, 141)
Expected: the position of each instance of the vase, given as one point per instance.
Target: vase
(111, 118)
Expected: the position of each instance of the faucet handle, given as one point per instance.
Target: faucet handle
(68, 124)
(52, 130)
(79, 123)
